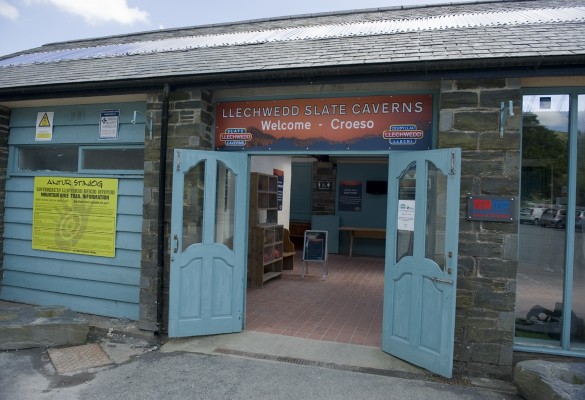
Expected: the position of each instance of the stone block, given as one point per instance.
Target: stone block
(445, 121)
(490, 371)
(464, 299)
(544, 380)
(499, 186)
(480, 249)
(459, 100)
(476, 121)
(497, 268)
(23, 327)
(495, 300)
(486, 353)
(494, 98)
(492, 140)
(481, 83)
(465, 141)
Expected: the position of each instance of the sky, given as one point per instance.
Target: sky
(26, 24)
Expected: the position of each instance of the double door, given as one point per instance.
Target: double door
(209, 236)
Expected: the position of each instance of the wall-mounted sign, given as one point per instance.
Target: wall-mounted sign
(398, 122)
(75, 215)
(490, 208)
(350, 196)
(109, 122)
(44, 126)
(324, 186)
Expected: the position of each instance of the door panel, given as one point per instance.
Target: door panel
(421, 259)
(209, 242)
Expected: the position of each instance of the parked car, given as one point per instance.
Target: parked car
(554, 217)
(580, 220)
(531, 215)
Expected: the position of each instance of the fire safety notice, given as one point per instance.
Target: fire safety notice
(75, 215)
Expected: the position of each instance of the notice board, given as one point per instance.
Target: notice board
(75, 215)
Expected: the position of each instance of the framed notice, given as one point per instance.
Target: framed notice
(75, 215)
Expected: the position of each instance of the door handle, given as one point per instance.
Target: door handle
(439, 280)
(176, 239)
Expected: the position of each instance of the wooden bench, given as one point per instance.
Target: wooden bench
(288, 251)
(368, 233)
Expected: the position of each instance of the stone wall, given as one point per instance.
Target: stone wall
(486, 287)
(189, 127)
(4, 123)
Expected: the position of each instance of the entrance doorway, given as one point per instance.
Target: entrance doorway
(420, 265)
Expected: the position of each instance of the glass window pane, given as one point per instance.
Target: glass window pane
(193, 201)
(541, 248)
(578, 315)
(225, 206)
(406, 200)
(436, 215)
(48, 158)
(113, 159)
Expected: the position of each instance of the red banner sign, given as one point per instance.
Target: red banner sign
(358, 123)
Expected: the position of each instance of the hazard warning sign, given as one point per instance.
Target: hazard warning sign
(44, 126)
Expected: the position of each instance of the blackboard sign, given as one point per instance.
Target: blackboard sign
(315, 246)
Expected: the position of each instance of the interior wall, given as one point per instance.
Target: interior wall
(266, 165)
(373, 207)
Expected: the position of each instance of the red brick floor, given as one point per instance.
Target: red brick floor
(346, 307)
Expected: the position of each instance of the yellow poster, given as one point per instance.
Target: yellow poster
(75, 215)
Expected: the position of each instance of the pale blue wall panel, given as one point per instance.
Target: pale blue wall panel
(69, 286)
(18, 216)
(89, 305)
(129, 241)
(74, 135)
(107, 286)
(129, 223)
(18, 200)
(124, 258)
(73, 269)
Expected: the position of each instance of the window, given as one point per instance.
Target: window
(66, 158)
(550, 294)
(47, 158)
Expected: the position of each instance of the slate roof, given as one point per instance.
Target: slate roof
(528, 35)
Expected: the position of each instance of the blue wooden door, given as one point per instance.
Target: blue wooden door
(208, 243)
(421, 260)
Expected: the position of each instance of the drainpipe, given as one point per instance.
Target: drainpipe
(161, 208)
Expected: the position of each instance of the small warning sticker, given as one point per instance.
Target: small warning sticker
(44, 126)
(44, 121)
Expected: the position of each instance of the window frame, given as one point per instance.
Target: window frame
(14, 158)
(535, 345)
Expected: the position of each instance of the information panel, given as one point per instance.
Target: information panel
(75, 215)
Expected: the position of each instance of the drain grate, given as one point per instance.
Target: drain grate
(78, 358)
(341, 367)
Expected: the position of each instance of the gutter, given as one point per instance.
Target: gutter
(161, 208)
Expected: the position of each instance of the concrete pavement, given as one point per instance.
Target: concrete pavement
(27, 374)
(117, 361)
